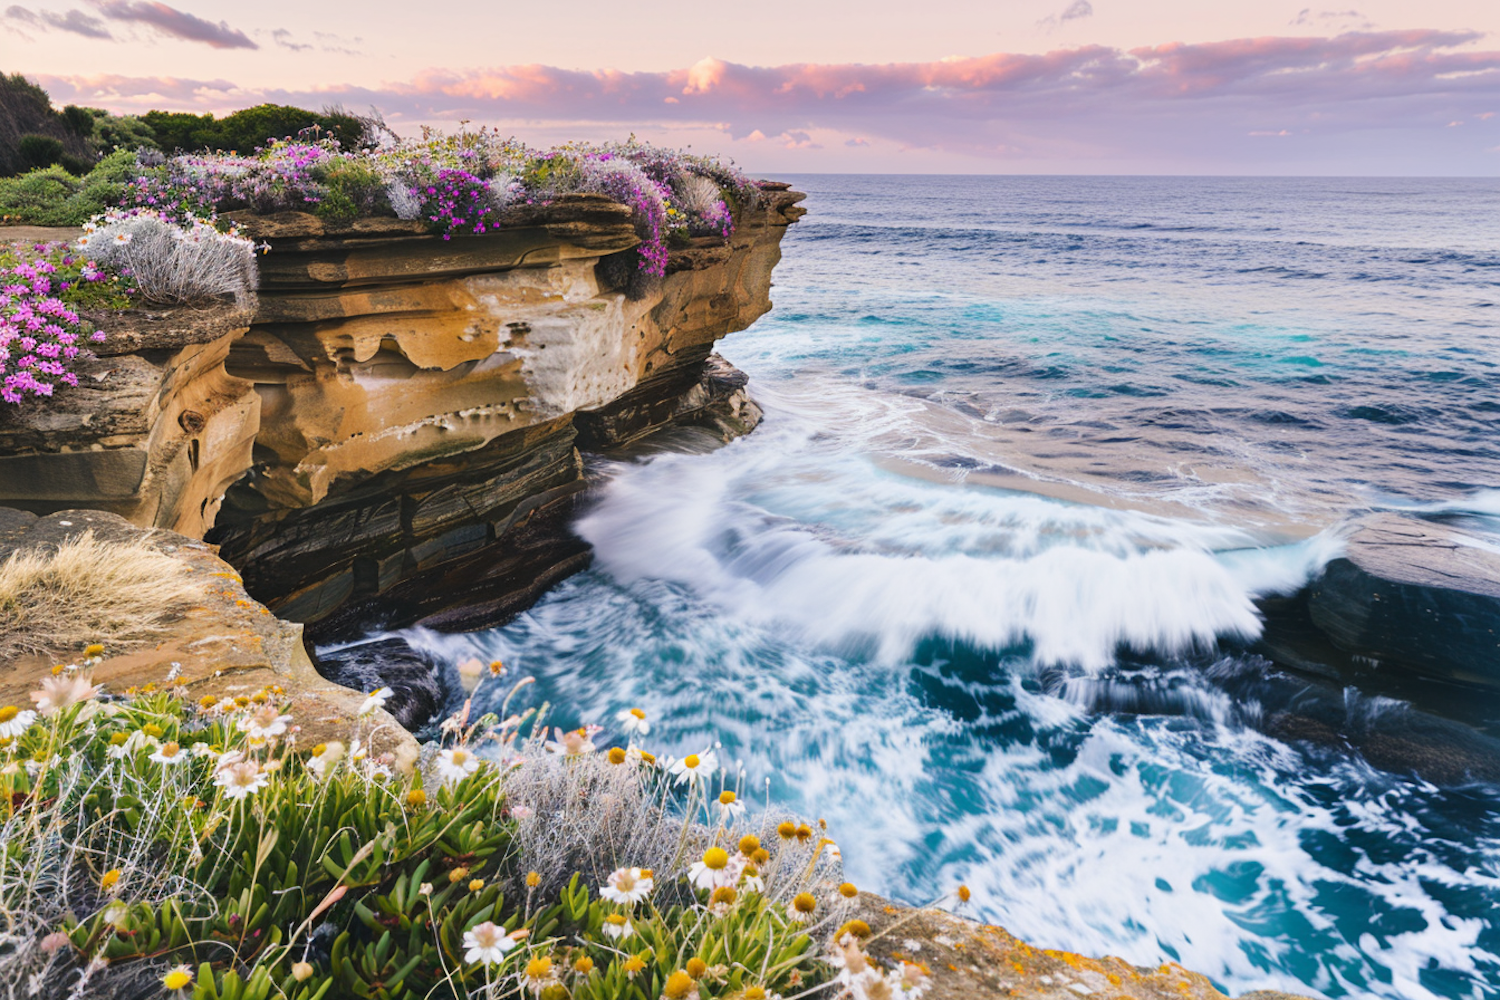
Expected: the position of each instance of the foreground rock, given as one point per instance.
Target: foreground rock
(227, 645)
(970, 961)
(1416, 594)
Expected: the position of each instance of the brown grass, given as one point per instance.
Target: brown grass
(89, 590)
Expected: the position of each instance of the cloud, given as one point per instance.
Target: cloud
(1179, 102)
(1336, 19)
(74, 21)
(175, 23)
(283, 38)
(1077, 10)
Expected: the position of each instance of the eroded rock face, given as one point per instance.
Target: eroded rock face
(421, 401)
(1418, 594)
(155, 431)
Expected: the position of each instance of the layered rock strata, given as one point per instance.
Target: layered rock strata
(155, 430)
(422, 400)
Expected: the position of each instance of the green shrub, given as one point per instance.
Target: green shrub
(112, 132)
(80, 120)
(38, 151)
(247, 130)
(53, 197)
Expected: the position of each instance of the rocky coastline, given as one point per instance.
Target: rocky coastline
(393, 435)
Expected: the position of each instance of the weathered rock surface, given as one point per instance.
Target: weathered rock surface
(1418, 594)
(228, 645)
(422, 400)
(972, 961)
(155, 431)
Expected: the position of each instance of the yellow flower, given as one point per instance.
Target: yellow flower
(207, 702)
(858, 928)
(804, 833)
(458, 874)
(584, 965)
(93, 650)
(533, 880)
(786, 830)
(749, 844)
(153, 730)
(178, 979)
(616, 755)
(302, 971)
(963, 894)
(804, 902)
(633, 965)
(848, 891)
(108, 879)
(696, 967)
(539, 968)
(416, 798)
(679, 984)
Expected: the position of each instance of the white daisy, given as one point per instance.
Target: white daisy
(171, 753)
(376, 699)
(617, 926)
(264, 723)
(456, 764)
(695, 766)
(730, 806)
(627, 885)
(633, 720)
(14, 722)
(571, 743)
(714, 870)
(242, 779)
(487, 944)
(61, 692)
(137, 740)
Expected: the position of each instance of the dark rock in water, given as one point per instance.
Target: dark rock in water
(710, 395)
(1414, 593)
(417, 693)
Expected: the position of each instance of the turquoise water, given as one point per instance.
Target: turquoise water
(981, 589)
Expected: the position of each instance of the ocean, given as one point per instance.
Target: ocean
(981, 590)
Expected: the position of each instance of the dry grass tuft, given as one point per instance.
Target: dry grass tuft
(92, 590)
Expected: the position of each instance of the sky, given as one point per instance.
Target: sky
(1383, 87)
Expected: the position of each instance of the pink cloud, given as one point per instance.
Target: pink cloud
(1090, 101)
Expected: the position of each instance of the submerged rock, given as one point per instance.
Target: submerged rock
(1418, 594)
(414, 680)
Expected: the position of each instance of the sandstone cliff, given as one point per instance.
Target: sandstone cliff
(392, 436)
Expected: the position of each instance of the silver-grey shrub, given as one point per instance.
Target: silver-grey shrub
(174, 264)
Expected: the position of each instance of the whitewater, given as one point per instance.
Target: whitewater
(985, 589)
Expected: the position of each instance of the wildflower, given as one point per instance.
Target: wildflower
(749, 844)
(122, 746)
(302, 971)
(751, 879)
(170, 753)
(475, 884)
(696, 967)
(964, 894)
(804, 833)
(109, 880)
(458, 874)
(487, 944)
(722, 899)
(496, 668)
(178, 978)
(469, 672)
(627, 885)
(695, 766)
(265, 723)
(58, 694)
(456, 764)
(574, 743)
(633, 721)
(538, 973)
(856, 928)
(848, 891)
(712, 871)
(416, 798)
(93, 651)
(641, 756)
(678, 985)
(14, 722)
(241, 779)
(617, 926)
(207, 703)
(761, 856)
(616, 755)
(533, 879)
(786, 830)
(154, 731)
(635, 963)
(729, 805)
(376, 699)
(803, 905)
(584, 965)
